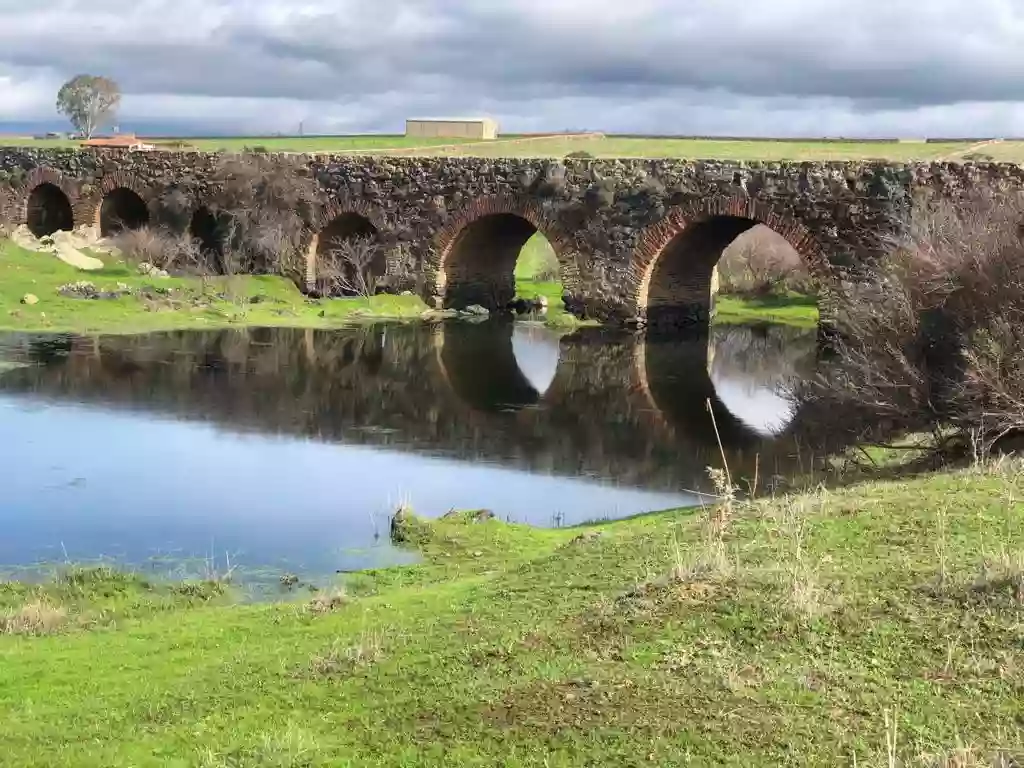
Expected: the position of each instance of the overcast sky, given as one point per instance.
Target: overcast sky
(774, 67)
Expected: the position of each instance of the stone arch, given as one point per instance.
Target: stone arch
(674, 259)
(50, 202)
(501, 225)
(120, 203)
(342, 219)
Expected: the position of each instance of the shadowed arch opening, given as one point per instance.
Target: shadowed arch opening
(484, 365)
(722, 253)
(122, 209)
(481, 262)
(350, 260)
(205, 228)
(49, 210)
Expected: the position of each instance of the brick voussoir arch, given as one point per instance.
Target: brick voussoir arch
(653, 240)
(330, 211)
(336, 207)
(111, 181)
(46, 175)
(523, 206)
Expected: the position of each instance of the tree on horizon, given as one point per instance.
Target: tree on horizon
(89, 102)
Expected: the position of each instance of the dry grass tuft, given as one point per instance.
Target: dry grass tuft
(1003, 573)
(342, 659)
(326, 602)
(35, 618)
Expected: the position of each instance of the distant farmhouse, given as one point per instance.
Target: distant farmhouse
(452, 128)
(120, 141)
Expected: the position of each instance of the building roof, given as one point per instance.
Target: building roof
(449, 120)
(124, 140)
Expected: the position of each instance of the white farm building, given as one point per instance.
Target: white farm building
(452, 128)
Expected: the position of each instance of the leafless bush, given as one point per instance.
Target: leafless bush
(164, 250)
(761, 262)
(932, 337)
(352, 266)
(264, 206)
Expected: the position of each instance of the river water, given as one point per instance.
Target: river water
(281, 450)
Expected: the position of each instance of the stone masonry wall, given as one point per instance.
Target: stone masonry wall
(608, 220)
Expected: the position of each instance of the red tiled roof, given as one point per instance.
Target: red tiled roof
(112, 141)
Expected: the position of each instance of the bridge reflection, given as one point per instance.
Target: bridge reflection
(619, 407)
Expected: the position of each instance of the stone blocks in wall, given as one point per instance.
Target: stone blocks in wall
(608, 220)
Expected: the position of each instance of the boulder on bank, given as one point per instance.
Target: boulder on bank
(66, 246)
(145, 268)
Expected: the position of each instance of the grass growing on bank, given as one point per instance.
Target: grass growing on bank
(166, 303)
(878, 625)
(792, 309)
(183, 303)
(263, 300)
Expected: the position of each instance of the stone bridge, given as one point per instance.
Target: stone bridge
(636, 240)
(621, 407)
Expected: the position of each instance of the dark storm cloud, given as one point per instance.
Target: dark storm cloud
(392, 57)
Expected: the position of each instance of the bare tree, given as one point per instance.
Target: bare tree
(760, 262)
(89, 102)
(351, 266)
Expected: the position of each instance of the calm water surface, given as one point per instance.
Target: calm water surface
(287, 450)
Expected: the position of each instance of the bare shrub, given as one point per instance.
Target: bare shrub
(352, 266)
(760, 262)
(265, 205)
(932, 337)
(164, 250)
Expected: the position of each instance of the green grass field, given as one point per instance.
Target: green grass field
(160, 304)
(878, 625)
(794, 309)
(182, 302)
(537, 259)
(599, 146)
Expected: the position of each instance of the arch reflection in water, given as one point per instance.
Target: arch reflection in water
(498, 365)
(165, 412)
(751, 366)
(536, 349)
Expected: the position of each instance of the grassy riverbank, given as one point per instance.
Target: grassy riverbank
(793, 309)
(194, 303)
(807, 630)
(167, 303)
